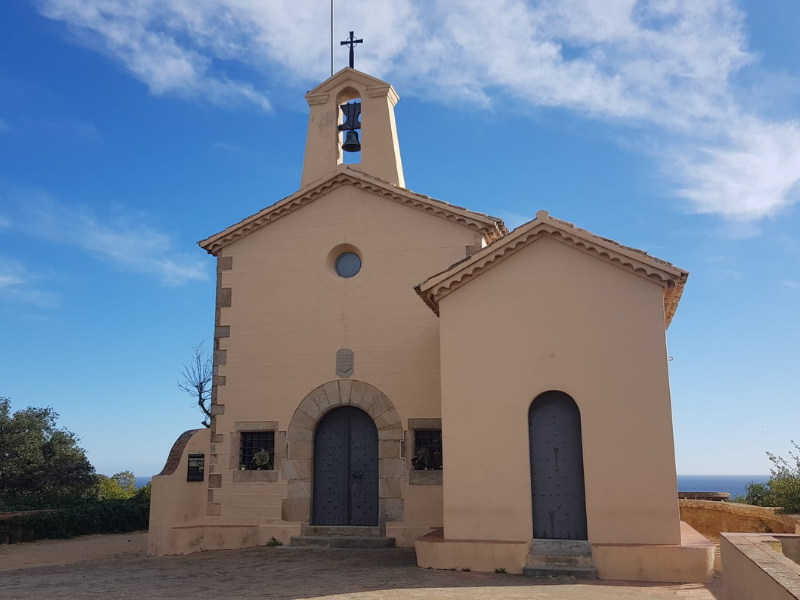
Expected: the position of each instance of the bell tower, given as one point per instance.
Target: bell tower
(334, 119)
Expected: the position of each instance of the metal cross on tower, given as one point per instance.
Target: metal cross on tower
(351, 41)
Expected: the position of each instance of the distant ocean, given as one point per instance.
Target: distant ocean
(733, 484)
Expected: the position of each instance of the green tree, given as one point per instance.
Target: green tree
(40, 464)
(784, 484)
(119, 486)
(782, 489)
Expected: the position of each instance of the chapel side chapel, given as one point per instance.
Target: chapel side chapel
(512, 411)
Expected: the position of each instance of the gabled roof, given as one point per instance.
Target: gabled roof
(637, 261)
(491, 227)
(348, 74)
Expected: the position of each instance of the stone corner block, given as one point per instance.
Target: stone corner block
(392, 468)
(425, 477)
(215, 481)
(390, 510)
(296, 509)
(296, 469)
(214, 509)
(301, 450)
(425, 423)
(224, 297)
(389, 449)
(224, 263)
(390, 434)
(299, 489)
(389, 488)
(299, 434)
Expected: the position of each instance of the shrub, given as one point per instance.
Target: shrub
(82, 518)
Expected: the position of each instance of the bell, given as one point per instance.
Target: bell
(351, 143)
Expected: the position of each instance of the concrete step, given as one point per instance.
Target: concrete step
(344, 541)
(342, 530)
(560, 547)
(559, 572)
(543, 560)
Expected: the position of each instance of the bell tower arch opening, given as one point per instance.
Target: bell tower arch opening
(349, 124)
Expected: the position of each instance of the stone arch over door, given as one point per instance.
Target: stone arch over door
(557, 478)
(298, 468)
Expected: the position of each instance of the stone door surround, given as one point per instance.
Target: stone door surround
(298, 469)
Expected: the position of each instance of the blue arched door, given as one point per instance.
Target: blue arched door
(557, 486)
(345, 469)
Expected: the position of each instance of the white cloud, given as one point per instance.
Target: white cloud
(19, 284)
(664, 66)
(123, 239)
(754, 174)
(791, 284)
(4, 128)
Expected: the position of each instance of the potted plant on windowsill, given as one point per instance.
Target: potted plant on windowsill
(422, 459)
(262, 459)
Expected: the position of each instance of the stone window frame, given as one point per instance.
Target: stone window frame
(271, 476)
(298, 468)
(420, 477)
(195, 473)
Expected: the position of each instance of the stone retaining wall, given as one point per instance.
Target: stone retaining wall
(710, 518)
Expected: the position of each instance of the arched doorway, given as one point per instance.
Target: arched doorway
(345, 469)
(557, 484)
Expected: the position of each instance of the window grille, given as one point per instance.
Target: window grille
(427, 450)
(257, 451)
(196, 467)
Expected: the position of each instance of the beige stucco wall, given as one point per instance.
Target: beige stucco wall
(289, 313)
(176, 502)
(552, 317)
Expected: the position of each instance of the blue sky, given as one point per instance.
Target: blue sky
(130, 129)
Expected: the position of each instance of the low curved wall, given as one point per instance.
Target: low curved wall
(712, 518)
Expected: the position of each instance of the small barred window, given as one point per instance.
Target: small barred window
(196, 467)
(427, 450)
(257, 451)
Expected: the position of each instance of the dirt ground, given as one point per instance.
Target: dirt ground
(79, 569)
(63, 552)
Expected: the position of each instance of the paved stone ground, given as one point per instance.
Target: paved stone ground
(303, 573)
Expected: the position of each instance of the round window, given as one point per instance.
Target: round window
(347, 264)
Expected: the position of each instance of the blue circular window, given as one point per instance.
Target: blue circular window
(347, 264)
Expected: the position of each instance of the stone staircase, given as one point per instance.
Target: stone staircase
(560, 559)
(318, 536)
